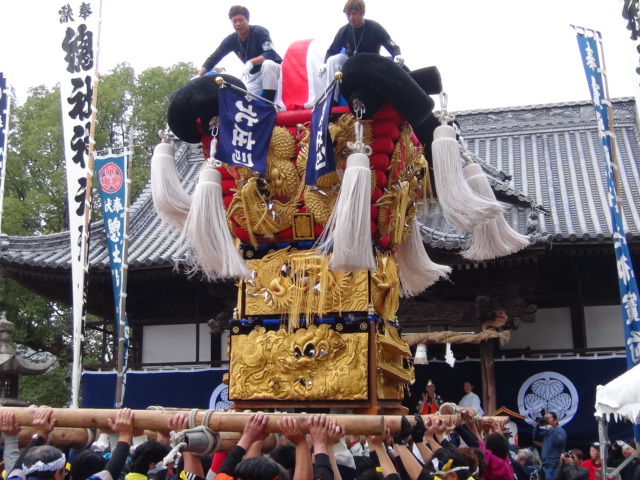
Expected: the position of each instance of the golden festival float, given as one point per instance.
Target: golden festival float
(322, 249)
(321, 265)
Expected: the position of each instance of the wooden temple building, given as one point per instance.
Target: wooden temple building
(560, 295)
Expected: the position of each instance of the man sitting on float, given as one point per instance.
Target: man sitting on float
(358, 36)
(253, 46)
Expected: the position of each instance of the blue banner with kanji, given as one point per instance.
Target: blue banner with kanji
(111, 186)
(111, 180)
(245, 131)
(592, 60)
(321, 159)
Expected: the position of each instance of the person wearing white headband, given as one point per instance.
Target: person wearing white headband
(44, 462)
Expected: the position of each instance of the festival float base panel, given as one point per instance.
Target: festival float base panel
(352, 359)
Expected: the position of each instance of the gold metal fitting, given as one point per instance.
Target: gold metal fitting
(219, 80)
(339, 75)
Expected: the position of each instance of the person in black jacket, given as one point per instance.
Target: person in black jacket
(570, 467)
(357, 36)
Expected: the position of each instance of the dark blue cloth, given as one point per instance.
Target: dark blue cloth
(245, 131)
(321, 160)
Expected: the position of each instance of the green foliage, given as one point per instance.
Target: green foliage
(51, 388)
(129, 105)
(35, 202)
(150, 116)
(114, 107)
(35, 185)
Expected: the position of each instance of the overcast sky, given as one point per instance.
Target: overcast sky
(490, 53)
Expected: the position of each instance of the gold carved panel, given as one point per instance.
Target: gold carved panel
(314, 363)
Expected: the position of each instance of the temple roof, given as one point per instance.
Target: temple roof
(544, 162)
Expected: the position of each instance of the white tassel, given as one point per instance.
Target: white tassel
(417, 271)
(421, 355)
(206, 228)
(169, 198)
(348, 230)
(460, 205)
(494, 238)
(449, 357)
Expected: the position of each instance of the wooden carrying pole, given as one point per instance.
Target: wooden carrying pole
(221, 421)
(218, 421)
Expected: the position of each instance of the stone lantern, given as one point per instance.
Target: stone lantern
(13, 365)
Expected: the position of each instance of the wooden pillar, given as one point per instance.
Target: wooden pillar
(578, 326)
(487, 368)
(373, 372)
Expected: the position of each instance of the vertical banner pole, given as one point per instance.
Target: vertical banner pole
(78, 95)
(123, 322)
(590, 44)
(5, 108)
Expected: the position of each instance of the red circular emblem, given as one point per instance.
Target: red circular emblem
(110, 178)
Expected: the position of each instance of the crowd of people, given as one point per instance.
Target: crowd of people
(423, 449)
(549, 457)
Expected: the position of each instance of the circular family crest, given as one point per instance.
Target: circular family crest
(220, 398)
(548, 391)
(110, 178)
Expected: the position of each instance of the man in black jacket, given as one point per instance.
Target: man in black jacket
(357, 36)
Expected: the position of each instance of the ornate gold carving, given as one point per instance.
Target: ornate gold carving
(300, 284)
(303, 153)
(342, 131)
(385, 292)
(282, 145)
(257, 214)
(303, 226)
(321, 203)
(394, 371)
(314, 363)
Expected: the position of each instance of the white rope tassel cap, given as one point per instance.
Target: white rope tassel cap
(416, 270)
(348, 231)
(460, 205)
(494, 238)
(213, 248)
(171, 201)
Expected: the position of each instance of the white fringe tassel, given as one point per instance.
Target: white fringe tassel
(417, 271)
(169, 198)
(494, 238)
(348, 231)
(421, 355)
(460, 205)
(206, 228)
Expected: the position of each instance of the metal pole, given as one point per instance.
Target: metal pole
(123, 327)
(4, 93)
